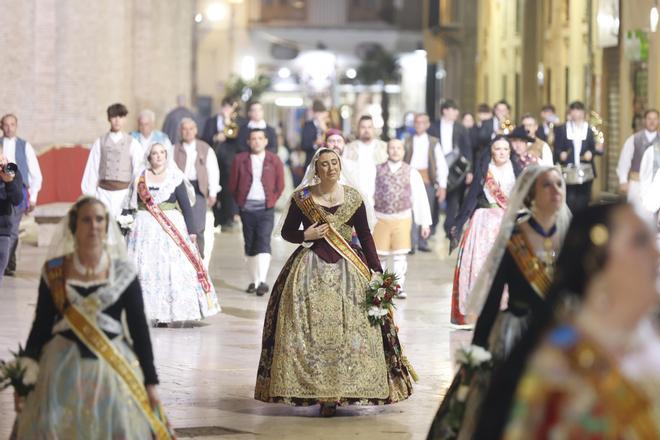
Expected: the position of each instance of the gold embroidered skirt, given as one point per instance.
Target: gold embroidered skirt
(318, 343)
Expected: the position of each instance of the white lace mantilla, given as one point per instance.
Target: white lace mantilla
(121, 274)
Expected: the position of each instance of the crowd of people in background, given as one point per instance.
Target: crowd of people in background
(503, 191)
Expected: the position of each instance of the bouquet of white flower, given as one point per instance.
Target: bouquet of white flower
(125, 222)
(20, 372)
(383, 287)
(472, 360)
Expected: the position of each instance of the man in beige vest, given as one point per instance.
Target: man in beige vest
(198, 162)
(113, 160)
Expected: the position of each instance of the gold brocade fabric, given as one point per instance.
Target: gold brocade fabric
(325, 347)
(352, 201)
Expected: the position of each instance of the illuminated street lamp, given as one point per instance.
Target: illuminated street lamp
(653, 16)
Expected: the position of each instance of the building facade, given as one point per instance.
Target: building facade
(536, 52)
(65, 61)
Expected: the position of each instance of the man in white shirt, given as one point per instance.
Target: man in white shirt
(20, 152)
(146, 135)
(424, 153)
(539, 147)
(199, 164)
(630, 158)
(114, 159)
(366, 153)
(400, 196)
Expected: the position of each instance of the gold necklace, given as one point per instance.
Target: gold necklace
(331, 199)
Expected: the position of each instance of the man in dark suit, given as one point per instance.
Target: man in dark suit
(226, 147)
(456, 147)
(495, 125)
(257, 181)
(575, 145)
(313, 131)
(256, 120)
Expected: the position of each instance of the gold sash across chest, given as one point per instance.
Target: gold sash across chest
(529, 264)
(98, 343)
(315, 213)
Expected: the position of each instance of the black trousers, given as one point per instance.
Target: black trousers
(417, 240)
(454, 201)
(199, 216)
(257, 229)
(578, 196)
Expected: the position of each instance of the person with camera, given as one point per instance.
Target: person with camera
(20, 152)
(11, 196)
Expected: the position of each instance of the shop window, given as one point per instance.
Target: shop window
(283, 10)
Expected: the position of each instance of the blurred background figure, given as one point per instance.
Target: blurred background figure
(313, 130)
(221, 131)
(256, 121)
(11, 197)
(20, 152)
(566, 378)
(146, 135)
(172, 122)
(408, 127)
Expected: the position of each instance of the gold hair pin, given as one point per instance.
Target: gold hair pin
(599, 235)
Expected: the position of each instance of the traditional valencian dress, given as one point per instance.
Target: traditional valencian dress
(497, 331)
(318, 344)
(175, 283)
(484, 206)
(572, 389)
(91, 379)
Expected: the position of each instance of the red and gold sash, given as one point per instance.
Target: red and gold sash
(96, 341)
(171, 230)
(627, 405)
(315, 213)
(529, 264)
(496, 191)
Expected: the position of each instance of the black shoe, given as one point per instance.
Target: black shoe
(411, 252)
(424, 249)
(251, 288)
(262, 289)
(10, 272)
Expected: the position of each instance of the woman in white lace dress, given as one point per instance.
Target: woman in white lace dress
(175, 283)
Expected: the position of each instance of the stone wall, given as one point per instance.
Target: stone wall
(65, 61)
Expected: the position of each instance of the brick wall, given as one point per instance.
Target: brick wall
(64, 61)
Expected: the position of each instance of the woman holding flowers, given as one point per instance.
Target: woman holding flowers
(522, 258)
(323, 342)
(91, 383)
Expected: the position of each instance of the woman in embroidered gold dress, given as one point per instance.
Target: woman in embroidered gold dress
(318, 345)
(564, 380)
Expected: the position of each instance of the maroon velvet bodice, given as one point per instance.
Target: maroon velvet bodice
(291, 232)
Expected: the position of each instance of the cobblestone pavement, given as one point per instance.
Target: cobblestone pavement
(207, 372)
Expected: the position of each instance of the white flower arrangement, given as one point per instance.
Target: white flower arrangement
(473, 356)
(377, 312)
(125, 221)
(20, 372)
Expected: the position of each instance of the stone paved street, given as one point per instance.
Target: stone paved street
(207, 372)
